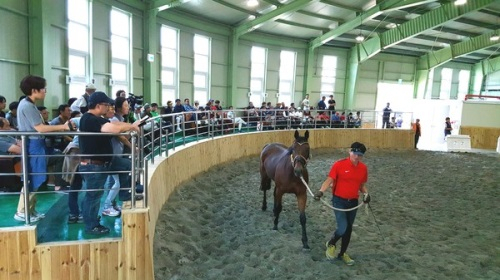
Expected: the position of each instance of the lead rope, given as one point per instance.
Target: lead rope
(326, 203)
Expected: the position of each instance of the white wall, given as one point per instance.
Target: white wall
(481, 114)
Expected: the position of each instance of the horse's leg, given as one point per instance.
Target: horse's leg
(265, 184)
(277, 206)
(302, 199)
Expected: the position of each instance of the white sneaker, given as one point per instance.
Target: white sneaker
(38, 215)
(21, 217)
(110, 212)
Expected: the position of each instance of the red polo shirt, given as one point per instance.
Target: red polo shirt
(348, 178)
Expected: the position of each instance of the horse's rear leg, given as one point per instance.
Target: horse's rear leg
(302, 199)
(277, 206)
(265, 185)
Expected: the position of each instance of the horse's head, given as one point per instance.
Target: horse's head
(299, 153)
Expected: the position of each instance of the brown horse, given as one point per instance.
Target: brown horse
(285, 166)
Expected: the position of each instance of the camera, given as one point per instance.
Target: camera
(135, 99)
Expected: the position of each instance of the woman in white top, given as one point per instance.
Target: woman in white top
(238, 120)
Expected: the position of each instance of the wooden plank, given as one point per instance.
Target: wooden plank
(34, 255)
(55, 262)
(4, 257)
(14, 263)
(85, 261)
(74, 262)
(140, 244)
(24, 254)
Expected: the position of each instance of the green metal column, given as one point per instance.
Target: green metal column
(308, 75)
(151, 69)
(352, 75)
(477, 78)
(420, 87)
(232, 95)
(39, 44)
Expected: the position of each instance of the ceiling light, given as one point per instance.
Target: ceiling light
(360, 38)
(494, 38)
(252, 3)
(251, 17)
(460, 2)
(391, 25)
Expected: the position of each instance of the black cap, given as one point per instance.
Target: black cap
(99, 97)
(358, 148)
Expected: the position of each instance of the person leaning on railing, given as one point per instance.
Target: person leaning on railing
(96, 159)
(30, 120)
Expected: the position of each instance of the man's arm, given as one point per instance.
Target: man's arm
(119, 127)
(42, 128)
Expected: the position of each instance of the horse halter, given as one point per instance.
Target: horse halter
(299, 156)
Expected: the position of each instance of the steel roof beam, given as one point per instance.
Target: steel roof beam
(436, 58)
(354, 23)
(410, 29)
(342, 6)
(162, 5)
(271, 16)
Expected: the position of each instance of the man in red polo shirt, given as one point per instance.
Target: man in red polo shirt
(347, 178)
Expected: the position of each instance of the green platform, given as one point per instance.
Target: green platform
(54, 227)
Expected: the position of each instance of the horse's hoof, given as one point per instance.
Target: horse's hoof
(306, 248)
(275, 228)
(264, 208)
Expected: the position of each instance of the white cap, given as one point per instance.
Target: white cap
(90, 86)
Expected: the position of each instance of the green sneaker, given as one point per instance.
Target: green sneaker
(347, 259)
(330, 251)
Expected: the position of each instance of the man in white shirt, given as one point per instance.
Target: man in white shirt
(81, 104)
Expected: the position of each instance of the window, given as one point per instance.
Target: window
(201, 79)
(463, 84)
(78, 46)
(257, 75)
(328, 75)
(169, 63)
(120, 50)
(430, 84)
(287, 77)
(445, 90)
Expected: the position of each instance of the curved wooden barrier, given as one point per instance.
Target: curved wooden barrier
(168, 173)
(132, 256)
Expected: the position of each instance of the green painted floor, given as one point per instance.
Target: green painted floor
(54, 227)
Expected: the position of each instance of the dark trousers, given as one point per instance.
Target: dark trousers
(385, 123)
(417, 136)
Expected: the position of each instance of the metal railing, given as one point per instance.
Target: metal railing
(135, 155)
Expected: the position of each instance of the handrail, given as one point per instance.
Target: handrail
(469, 96)
(135, 171)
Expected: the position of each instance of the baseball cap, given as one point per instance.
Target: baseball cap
(147, 106)
(358, 148)
(99, 97)
(90, 86)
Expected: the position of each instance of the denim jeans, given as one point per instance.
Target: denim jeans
(122, 164)
(91, 203)
(113, 187)
(76, 185)
(344, 219)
